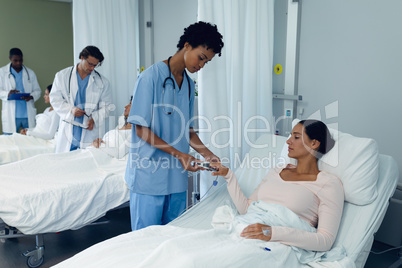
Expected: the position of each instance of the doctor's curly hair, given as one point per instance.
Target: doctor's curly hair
(204, 34)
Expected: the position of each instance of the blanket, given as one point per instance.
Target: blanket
(57, 192)
(172, 246)
(16, 147)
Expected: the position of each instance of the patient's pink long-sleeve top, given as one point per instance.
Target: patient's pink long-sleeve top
(318, 202)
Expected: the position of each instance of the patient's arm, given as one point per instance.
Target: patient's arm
(330, 209)
(241, 201)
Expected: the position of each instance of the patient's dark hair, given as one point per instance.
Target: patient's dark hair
(93, 52)
(317, 130)
(202, 34)
(49, 87)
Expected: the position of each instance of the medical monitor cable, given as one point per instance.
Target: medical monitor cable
(214, 183)
(381, 252)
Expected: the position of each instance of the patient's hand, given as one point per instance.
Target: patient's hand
(255, 231)
(23, 131)
(222, 170)
(97, 143)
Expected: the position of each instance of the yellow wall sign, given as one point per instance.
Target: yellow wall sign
(278, 69)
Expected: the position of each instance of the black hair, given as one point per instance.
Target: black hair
(317, 130)
(204, 34)
(15, 52)
(49, 87)
(92, 51)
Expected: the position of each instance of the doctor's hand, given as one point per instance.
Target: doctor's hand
(91, 123)
(212, 158)
(257, 231)
(186, 159)
(77, 112)
(13, 91)
(27, 98)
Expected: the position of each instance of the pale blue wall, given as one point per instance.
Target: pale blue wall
(351, 52)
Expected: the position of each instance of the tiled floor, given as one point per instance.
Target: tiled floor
(61, 246)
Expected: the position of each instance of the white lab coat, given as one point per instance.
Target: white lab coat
(7, 83)
(98, 104)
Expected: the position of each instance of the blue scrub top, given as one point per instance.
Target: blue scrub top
(150, 170)
(20, 105)
(79, 102)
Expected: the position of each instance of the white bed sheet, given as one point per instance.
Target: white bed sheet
(16, 147)
(56, 192)
(359, 223)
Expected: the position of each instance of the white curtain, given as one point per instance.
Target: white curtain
(235, 90)
(112, 26)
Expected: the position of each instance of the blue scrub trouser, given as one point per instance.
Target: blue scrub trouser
(75, 142)
(146, 210)
(21, 122)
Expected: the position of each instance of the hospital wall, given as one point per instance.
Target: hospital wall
(169, 18)
(43, 30)
(350, 68)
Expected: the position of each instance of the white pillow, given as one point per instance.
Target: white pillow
(355, 161)
(258, 161)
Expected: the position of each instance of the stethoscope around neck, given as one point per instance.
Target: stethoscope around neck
(174, 88)
(23, 67)
(71, 73)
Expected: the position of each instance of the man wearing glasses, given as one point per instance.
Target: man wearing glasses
(81, 96)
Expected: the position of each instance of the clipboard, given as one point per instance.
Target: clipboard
(18, 96)
(74, 123)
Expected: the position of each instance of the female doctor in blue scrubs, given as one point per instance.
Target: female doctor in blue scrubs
(162, 111)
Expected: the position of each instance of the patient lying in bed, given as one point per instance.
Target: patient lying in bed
(33, 141)
(315, 196)
(116, 142)
(47, 123)
(317, 202)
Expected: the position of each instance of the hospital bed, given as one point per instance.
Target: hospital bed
(17, 147)
(56, 192)
(369, 181)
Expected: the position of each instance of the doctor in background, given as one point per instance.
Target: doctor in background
(82, 97)
(17, 78)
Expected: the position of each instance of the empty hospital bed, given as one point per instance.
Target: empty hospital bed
(369, 181)
(55, 192)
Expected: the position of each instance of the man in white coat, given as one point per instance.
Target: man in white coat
(82, 98)
(18, 110)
